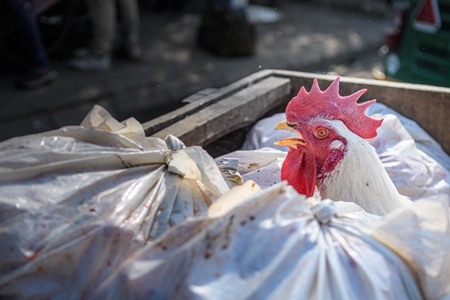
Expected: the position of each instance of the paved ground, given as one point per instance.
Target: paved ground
(315, 36)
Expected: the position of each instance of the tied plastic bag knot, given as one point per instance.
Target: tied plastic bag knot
(174, 143)
(324, 211)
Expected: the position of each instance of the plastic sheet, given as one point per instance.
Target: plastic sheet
(76, 202)
(276, 245)
(420, 235)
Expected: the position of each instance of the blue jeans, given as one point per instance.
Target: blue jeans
(23, 13)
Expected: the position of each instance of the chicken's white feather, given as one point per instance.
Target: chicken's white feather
(360, 177)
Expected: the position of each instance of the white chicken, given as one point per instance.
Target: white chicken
(331, 150)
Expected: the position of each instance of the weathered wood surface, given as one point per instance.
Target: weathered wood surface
(172, 117)
(208, 119)
(238, 110)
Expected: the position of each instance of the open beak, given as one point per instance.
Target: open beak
(291, 142)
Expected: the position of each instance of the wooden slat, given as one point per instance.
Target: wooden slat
(236, 111)
(174, 116)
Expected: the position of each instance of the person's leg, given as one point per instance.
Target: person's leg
(32, 46)
(39, 73)
(103, 18)
(129, 12)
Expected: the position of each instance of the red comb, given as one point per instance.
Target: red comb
(330, 105)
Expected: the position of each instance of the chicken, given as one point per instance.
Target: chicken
(331, 152)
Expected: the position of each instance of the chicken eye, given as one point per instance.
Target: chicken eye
(321, 133)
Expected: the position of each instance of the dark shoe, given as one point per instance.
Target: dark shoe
(36, 79)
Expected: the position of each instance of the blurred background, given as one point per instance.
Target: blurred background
(186, 48)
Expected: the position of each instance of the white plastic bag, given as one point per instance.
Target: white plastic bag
(420, 235)
(76, 202)
(276, 245)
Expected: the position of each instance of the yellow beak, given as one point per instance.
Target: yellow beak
(284, 126)
(291, 142)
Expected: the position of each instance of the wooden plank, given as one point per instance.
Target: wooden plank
(236, 111)
(428, 106)
(199, 95)
(174, 116)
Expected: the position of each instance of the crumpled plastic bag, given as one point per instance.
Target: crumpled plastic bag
(76, 202)
(420, 235)
(279, 245)
(423, 141)
(263, 166)
(415, 173)
(229, 169)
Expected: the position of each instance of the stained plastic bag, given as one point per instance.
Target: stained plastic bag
(279, 245)
(76, 202)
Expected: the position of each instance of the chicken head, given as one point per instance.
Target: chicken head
(324, 122)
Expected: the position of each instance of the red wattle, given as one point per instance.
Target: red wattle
(299, 169)
(333, 159)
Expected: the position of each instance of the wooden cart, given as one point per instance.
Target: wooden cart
(219, 120)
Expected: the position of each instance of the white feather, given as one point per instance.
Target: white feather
(360, 177)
